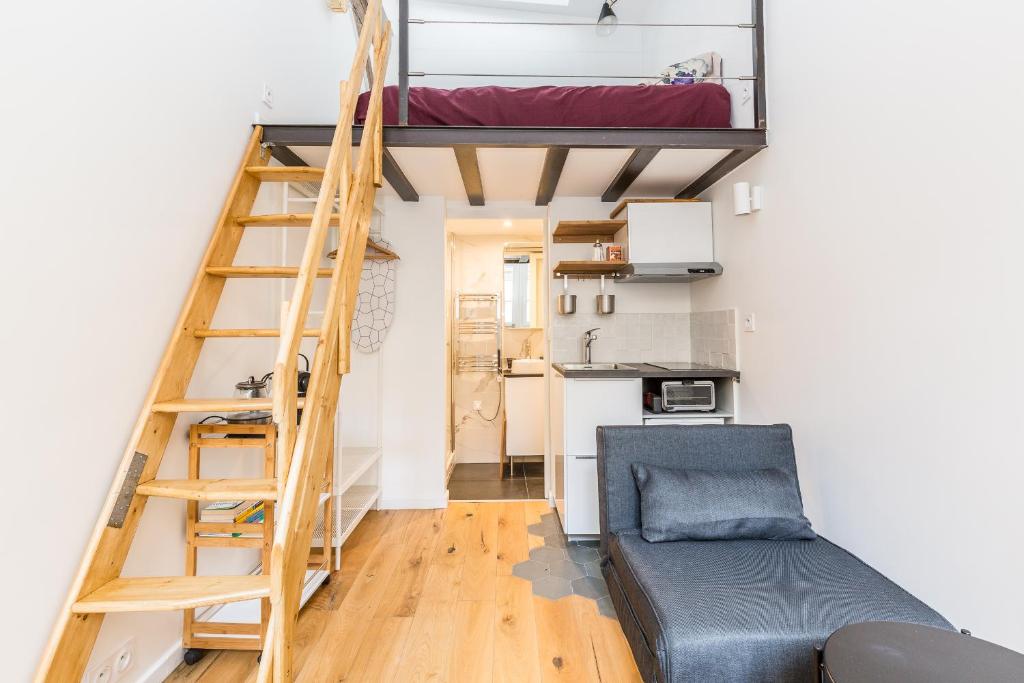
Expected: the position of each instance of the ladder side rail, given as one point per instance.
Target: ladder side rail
(286, 364)
(297, 509)
(67, 651)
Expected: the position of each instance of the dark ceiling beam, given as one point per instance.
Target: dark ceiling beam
(286, 156)
(629, 172)
(554, 161)
(397, 179)
(730, 163)
(448, 136)
(469, 167)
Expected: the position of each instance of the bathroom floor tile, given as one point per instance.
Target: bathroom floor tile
(476, 471)
(508, 489)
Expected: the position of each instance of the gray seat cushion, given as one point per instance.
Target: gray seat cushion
(750, 610)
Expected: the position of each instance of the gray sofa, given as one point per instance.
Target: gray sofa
(735, 610)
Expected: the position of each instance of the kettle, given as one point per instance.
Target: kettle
(252, 388)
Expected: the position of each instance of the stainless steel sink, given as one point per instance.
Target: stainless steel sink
(574, 367)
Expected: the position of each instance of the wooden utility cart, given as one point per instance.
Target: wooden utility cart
(243, 625)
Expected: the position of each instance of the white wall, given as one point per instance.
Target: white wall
(413, 461)
(128, 121)
(884, 271)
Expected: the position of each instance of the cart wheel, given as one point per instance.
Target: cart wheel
(193, 655)
(327, 580)
(259, 658)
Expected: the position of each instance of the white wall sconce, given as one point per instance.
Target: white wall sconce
(746, 199)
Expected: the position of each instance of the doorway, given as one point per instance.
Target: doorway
(496, 340)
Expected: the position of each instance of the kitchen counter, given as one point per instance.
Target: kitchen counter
(691, 371)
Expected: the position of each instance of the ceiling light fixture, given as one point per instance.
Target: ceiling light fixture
(607, 22)
(507, 223)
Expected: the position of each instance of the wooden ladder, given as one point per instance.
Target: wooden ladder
(302, 452)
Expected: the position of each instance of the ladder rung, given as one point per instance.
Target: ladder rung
(215, 405)
(287, 220)
(162, 593)
(259, 332)
(210, 489)
(261, 271)
(286, 174)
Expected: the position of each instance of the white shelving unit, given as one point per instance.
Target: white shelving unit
(357, 490)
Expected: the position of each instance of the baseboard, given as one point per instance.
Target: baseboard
(162, 668)
(414, 503)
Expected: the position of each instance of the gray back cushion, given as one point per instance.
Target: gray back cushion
(712, 505)
(711, 447)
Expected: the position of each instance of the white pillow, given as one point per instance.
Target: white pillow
(707, 66)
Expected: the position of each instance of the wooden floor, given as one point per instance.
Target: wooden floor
(428, 595)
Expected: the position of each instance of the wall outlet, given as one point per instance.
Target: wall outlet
(268, 96)
(124, 658)
(111, 669)
(101, 673)
(477, 405)
(749, 322)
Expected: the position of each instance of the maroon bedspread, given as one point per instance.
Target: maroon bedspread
(702, 105)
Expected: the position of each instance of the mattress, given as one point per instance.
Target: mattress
(748, 610)
(700, 105)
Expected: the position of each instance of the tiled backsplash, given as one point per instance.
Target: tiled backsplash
(713, 338)
(706, 337)
(622, 337)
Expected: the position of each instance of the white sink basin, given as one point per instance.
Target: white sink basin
(528, 366)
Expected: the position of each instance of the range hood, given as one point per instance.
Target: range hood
(669, 272)
(669, 242)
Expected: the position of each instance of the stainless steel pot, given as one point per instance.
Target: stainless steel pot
(566, 301)
(605, 302)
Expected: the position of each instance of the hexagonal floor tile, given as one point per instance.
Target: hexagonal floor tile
(547, 555)
(538, 529)
(590, 587)
(582, 553)
(566, 569)
(593, 568)
(606, 608)
(556, 541)
(552, 587)
(530, 570)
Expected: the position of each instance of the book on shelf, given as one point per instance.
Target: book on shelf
(233, 512)
(225, 510)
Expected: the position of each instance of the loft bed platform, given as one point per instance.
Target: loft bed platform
(703, 107)
(740, 144)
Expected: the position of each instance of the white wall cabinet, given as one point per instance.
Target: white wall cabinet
(579, 407)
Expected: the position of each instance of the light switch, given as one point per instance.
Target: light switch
(749, 322)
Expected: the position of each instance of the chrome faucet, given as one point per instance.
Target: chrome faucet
(588, 338)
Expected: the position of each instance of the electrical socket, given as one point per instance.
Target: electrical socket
(268, 96)
(749, 322)
(477, 405)
(113, 667)
(101, 673)
(124, 658)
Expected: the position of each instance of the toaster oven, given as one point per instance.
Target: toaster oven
(687, 395)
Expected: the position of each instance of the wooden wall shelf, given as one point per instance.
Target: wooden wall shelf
(585, 232)
(589, 269)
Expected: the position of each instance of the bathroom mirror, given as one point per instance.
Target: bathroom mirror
(523, 279)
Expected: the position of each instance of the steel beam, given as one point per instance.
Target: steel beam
(724, 167)
(397, 178)
(554, 161)
(629, 172)
(469, 167)
(584, 138)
